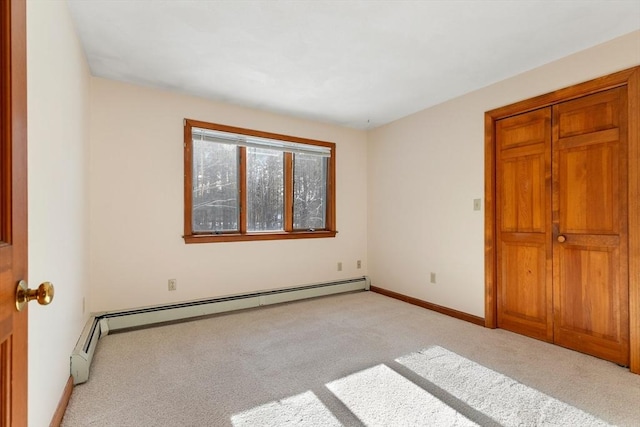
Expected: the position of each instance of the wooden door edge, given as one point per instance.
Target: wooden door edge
(490, 279)
(56, 421)
(633, 97)
(13, 82)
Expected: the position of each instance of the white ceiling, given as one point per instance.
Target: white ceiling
(354, 63)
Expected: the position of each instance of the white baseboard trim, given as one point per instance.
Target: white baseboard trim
(101, 324)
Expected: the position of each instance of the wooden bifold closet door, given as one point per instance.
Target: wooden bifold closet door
(561, 224)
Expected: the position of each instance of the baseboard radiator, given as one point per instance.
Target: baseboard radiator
(101, 324)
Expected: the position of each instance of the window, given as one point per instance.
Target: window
(242, 184)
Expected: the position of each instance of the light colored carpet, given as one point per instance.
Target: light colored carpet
(203, 373)
(380, 397)
(507, 401)
(302, 410)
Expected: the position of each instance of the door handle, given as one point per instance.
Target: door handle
(562, 238)
(44, 294)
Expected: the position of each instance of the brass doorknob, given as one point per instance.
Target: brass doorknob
(44, 294)
(562, 238)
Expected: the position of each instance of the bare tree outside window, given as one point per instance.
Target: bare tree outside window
(215, 187)
(309, 191)
(265, 189)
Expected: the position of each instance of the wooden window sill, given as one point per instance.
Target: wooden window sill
(236, 237)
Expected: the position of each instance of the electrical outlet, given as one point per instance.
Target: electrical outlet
(477, 204)
(173, 284)
(339, 266)
(433, 277)
(358, 264)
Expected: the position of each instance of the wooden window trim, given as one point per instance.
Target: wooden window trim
(238, 237)
(242, 234)
(288, 191)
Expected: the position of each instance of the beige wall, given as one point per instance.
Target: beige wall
(425, 170)
(136, 186)
(58, 126)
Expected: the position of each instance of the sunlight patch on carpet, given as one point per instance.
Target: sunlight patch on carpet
(379, 396)
(505, 400)
(301, 410)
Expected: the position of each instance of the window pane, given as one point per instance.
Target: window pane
(215, 187)
(265, 189)
(309, 192)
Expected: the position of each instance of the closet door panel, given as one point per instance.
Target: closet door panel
(590, 174)
(523, 192)
(586, 297)
(523, 301)
(590, 260)
(523, 214)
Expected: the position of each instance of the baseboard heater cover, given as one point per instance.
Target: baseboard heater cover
(100, 324)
